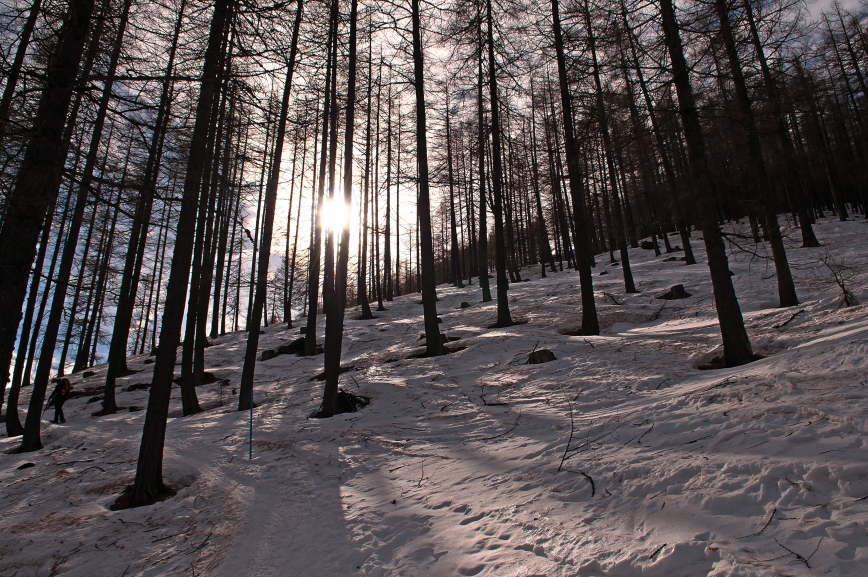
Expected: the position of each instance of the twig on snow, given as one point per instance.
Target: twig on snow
(660, 310)
(804, 560)
(505, 433)
(789, 320)
(612, 298)
(772, 516)
(645, 433)
(570, 440)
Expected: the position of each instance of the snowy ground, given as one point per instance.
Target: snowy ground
(453, 468)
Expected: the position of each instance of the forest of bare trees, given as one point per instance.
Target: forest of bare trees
(176, 170)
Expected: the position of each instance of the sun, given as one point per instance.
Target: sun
(335, 214)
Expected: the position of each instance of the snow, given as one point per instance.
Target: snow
(454, 467)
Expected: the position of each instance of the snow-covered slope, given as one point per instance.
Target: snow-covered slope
(618, 458)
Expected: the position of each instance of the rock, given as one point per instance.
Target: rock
(87, 374)
(675, 293)
(267, 355)
(676, 248)
(604, 272)
(465, 305)
(296, 347)
(540, 356)
(647, 245)
(671, 259)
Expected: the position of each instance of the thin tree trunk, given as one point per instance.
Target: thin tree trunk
(590, 324)
(149, 469)
(363, 257)
(245, 398)
(336, 303)
(423, 208)
(620, 225)
(31, 440)
(762, 186)
(36, 185)
(484, 283)
(315, 256)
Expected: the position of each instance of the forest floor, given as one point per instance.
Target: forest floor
(621, 457)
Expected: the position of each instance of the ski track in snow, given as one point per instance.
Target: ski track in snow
(758, 470)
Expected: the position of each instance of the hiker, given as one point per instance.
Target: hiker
(58, 397)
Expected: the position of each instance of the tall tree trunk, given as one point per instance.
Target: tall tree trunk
(363, 256)
(736, 345)
(590, 324)
(504, 318)
(31, 440)
(484, 283)
(423, 207)
(603, 121)
(149, 469)
(456, 278)
(35, 187)
(245, 398)
(13, 423)
(315, 256)
(793, 181)
(761, 184)
(134, 259)
(545, 249)
(678, 198)
(335, 305)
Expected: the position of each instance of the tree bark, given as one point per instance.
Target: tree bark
(245, 398)
(762, 186)
(590, 324)
(149, 469)
(423, 207)
(315, 255)
(736, 345)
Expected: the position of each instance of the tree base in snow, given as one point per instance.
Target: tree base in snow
(347, 402)
(125, 501)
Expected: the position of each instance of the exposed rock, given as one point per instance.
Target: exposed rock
(540, 356)
(296, 347)
(465, 305)
(647, 245)
(267, 355)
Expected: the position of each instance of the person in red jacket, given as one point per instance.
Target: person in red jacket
(58, 397)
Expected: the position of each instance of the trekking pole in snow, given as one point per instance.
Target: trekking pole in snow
(250, 450)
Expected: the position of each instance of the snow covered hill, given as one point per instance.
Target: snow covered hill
(618, 458)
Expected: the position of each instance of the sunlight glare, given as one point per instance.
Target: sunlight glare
(335, 214)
